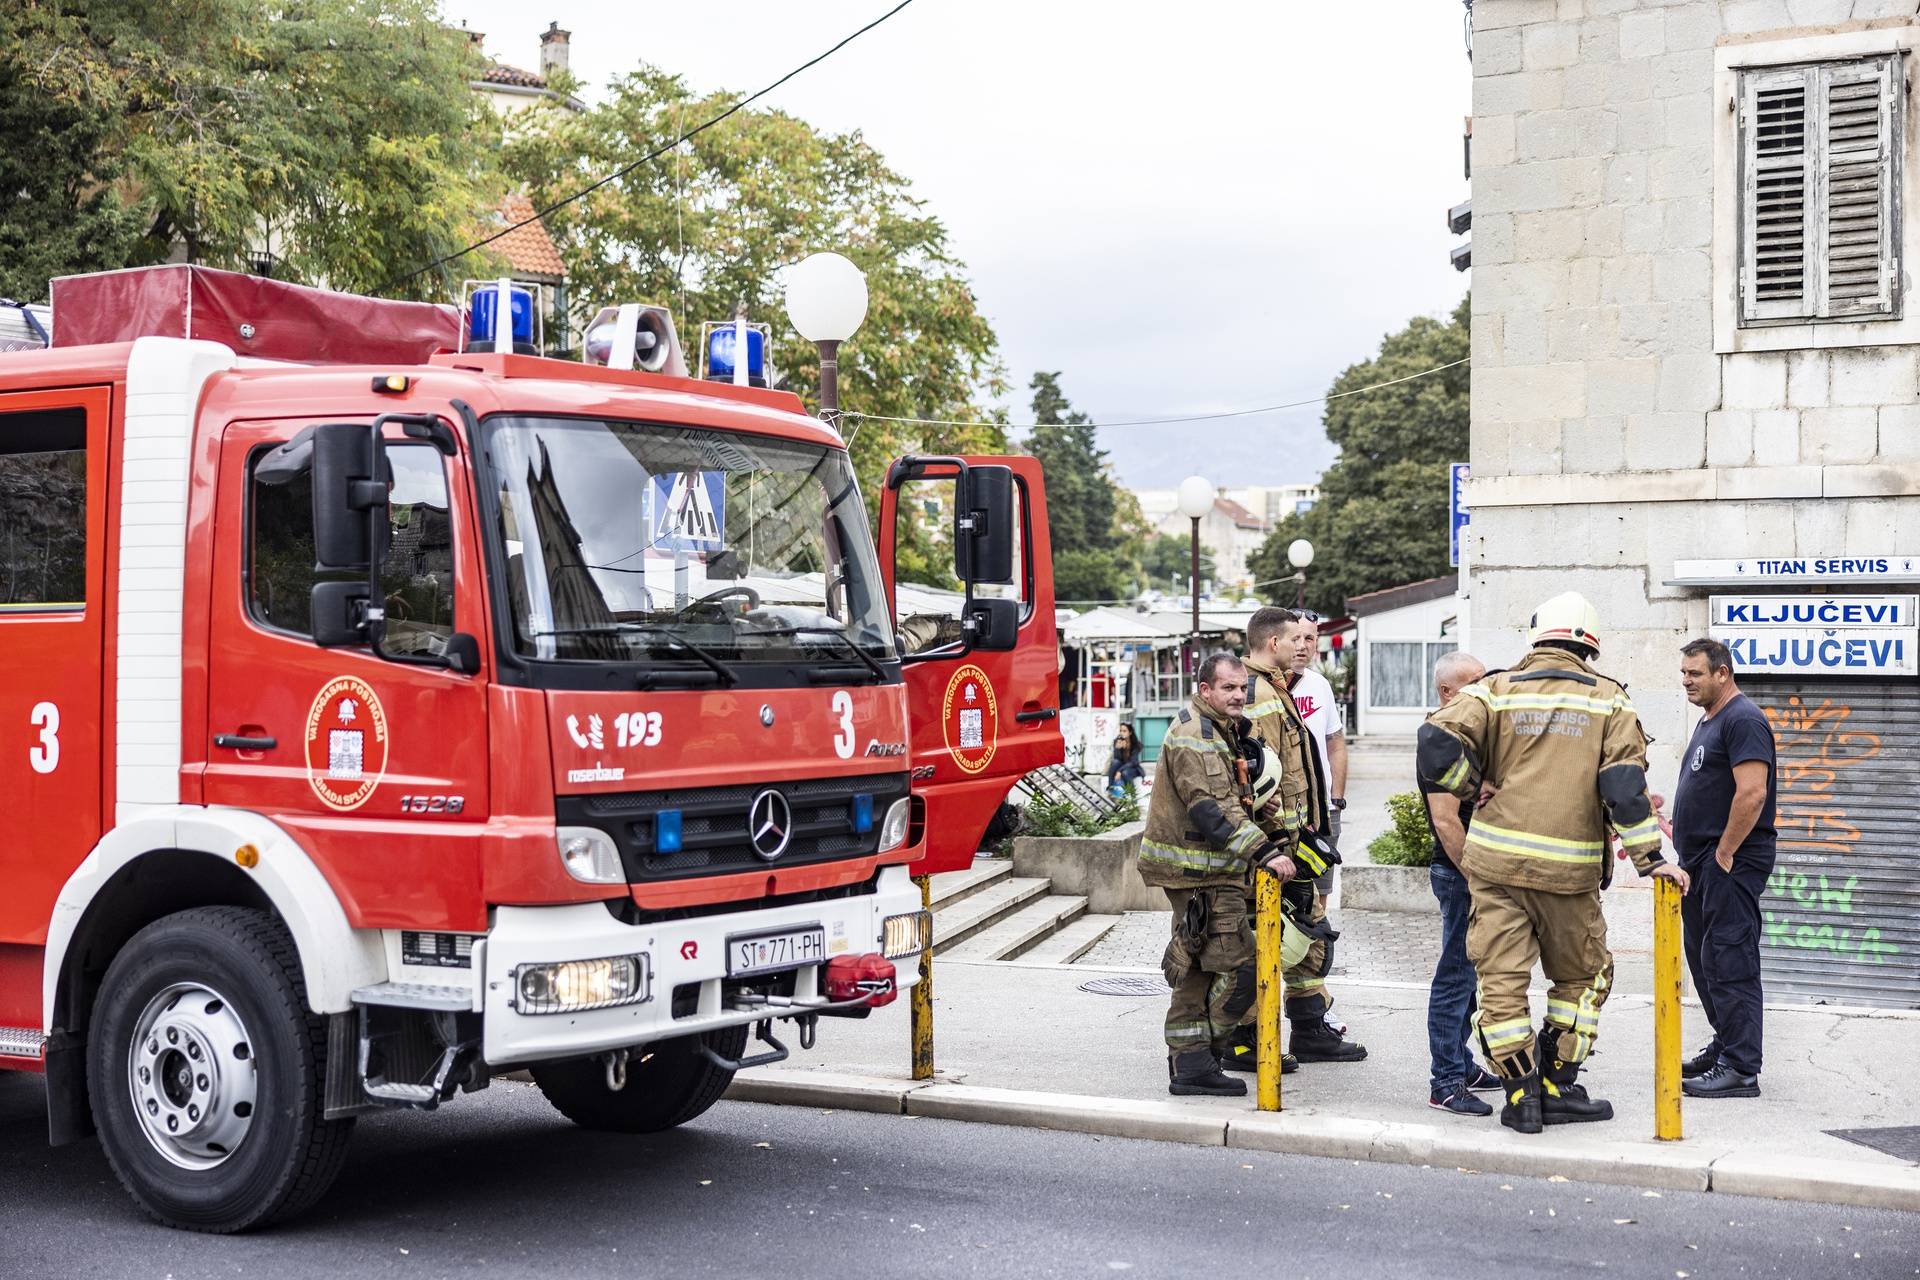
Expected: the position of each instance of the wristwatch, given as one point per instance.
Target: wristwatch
(1339, 802)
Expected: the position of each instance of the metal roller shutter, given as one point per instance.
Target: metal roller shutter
(1842, 911)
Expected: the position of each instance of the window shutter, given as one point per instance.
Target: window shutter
(1858, 241)
(1776, 180)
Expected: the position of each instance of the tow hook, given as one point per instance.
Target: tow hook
(809, 1027)
(616, 1063)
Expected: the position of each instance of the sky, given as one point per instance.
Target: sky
(1183, 209)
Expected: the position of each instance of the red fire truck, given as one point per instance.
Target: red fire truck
(379, 716)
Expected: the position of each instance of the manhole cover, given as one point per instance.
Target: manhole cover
(1126, 987)
(1902, 1143)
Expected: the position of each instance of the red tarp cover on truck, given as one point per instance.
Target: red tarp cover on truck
(254, 316)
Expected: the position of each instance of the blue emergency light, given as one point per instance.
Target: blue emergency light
(721, 354)
(862, 813)
(666, 831)
(484, 306)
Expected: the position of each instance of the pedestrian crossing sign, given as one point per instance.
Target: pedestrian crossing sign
(686, 512)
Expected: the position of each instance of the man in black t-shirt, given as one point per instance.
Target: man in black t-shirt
(1723, 835)
(1450, 1000)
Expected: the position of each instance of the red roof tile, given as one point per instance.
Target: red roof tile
(501, 73)
(528, 250)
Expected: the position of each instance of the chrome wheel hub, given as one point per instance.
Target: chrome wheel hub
(191, 1071)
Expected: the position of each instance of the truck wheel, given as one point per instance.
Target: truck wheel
(668, 1084)
(204, 1069)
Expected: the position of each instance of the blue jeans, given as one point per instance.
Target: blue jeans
(1451, 1001)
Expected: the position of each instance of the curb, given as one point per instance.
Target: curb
(1306, 1132)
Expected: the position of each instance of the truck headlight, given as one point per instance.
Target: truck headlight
(893, 832)
(574, 985)
(906, 935)
(589, 855)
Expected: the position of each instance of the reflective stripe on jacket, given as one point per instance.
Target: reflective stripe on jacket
(1198, 831)
(1276, 722)
(1542, 734)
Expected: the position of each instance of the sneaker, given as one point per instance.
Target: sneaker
(1722, 1081)
(1481, 1080)
(1701, 1063)
(1460, 1102)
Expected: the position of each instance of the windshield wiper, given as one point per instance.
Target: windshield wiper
(879, 672)
(696, 652)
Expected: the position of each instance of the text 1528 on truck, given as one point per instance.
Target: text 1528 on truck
(380, 715)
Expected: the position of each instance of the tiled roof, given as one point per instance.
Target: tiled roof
(528, 250)
(501, 73)
(1238, 514)
(1401, 596)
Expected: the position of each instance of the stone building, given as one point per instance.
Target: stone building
(1695, 332)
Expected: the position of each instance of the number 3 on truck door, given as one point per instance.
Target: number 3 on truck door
(45, 754)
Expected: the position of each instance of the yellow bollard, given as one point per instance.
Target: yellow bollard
(1666, 1009)
(923, 995)
(1266, 898)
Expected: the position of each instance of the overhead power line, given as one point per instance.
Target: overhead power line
(1159, 422)
(655, 154)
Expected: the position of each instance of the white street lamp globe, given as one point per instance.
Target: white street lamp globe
(1299, 553)
(1195, 497)
(826, 297)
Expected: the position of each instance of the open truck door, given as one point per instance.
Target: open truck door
(983, 687)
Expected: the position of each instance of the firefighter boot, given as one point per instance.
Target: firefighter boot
(1317, 1040)
(1196, 1073)
(1562, 1101)
(1522, 1110)
(1240, 1054)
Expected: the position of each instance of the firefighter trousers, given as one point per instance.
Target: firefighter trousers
(1209, 968)
(1509, 929)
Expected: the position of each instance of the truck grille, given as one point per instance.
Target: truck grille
(714, 836)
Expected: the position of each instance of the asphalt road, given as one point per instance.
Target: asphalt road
(499, 1185)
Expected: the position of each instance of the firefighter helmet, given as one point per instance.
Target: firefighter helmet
(1568, 616)
(1263, 771)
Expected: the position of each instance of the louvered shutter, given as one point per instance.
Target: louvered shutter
(1859, 121)
(1820, 177)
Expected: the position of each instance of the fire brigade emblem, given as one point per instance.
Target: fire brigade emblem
(970, 718)
(346, 743)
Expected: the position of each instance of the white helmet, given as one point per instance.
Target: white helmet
(1263, 772)
(1568, 616)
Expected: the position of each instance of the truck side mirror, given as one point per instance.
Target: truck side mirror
(339, 613)
(983, 525)
(993, 626)
(347, 491)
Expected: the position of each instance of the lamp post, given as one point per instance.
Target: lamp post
(1195, 499)
(826, 301)
(1300, 555)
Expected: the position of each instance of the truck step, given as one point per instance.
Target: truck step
(951, 886)
(22, 1042)
(955, 924)
(1014, 934)
(415, 995)
(1072, 942)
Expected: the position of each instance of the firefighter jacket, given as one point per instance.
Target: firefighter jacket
(1276, 722)
(1565, 751)
(1198, 830)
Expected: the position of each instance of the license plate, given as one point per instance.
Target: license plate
(772, 952)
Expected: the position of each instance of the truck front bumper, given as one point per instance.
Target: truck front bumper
(687, 964)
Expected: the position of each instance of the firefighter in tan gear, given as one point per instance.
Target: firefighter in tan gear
(1559, 757)
(1202, 846)
(1299, 827)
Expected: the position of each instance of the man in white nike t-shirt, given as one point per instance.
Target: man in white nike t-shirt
(1320, 712)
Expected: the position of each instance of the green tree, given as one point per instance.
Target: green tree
(344, 129)
(709, 226)
(1082, 504)
(1167, 562)
(1382, 515)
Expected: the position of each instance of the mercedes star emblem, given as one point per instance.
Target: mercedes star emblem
(769, 824)
(766, 715)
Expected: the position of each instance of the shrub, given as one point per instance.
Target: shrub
(1406, 843)
(1049, 817)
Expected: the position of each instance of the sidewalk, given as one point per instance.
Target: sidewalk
(1023, 1044)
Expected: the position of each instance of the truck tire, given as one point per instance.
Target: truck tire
(668, 1084)
(204, 1068)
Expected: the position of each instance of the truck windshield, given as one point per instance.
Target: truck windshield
(632, 541)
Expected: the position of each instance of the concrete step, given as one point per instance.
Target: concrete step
(1072, 941)
(950, 887)
(954, 924)
(1012, 935)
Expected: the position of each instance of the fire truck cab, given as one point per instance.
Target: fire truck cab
(376, 725)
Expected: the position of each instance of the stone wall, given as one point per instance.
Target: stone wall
(1609, 437)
